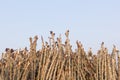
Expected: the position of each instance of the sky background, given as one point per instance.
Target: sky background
(89, 21)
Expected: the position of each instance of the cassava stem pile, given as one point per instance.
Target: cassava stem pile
(57, 61)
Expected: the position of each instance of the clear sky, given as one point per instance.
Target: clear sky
(89, 21)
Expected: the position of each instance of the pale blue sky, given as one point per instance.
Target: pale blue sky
(89, 21)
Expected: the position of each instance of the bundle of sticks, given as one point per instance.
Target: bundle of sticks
(57, 61)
